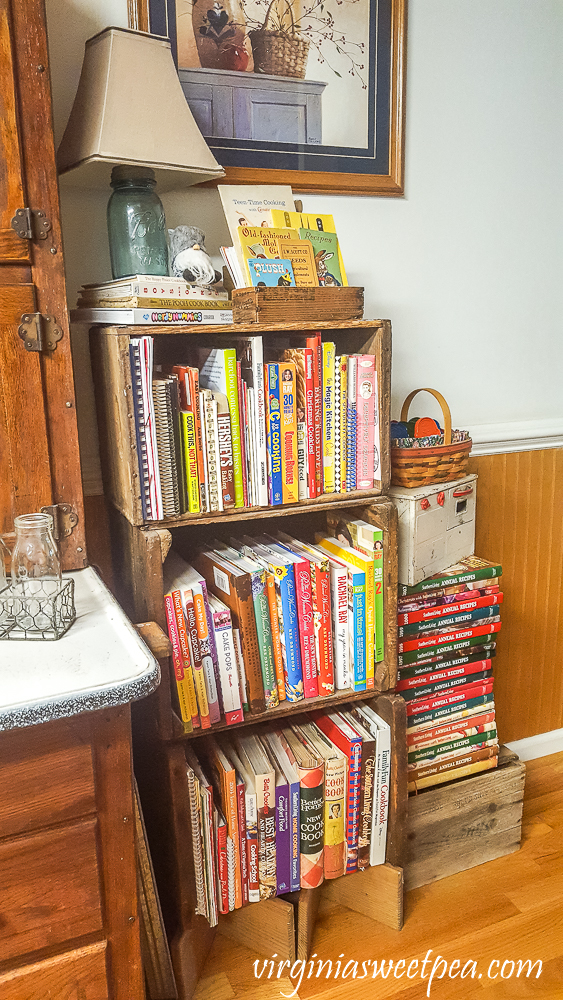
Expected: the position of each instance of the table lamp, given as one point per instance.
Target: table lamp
(130, 109)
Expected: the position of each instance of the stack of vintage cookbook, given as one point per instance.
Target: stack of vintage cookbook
(447, 639)
(148, 300)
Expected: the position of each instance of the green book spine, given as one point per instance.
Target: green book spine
(264, 633)
(231, 382)
(435, 582)
(378, 588)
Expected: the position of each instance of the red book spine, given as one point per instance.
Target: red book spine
(442, 597)
(241, 810)
(311, 822)
(185, 655)
(326, 653)
(309, 359)
(463, 727)
(430, 641)
(352, 747)
(445, 699)
(444, 675)
(199, 675)
(194, 389)
(304, 596)
(429, 614)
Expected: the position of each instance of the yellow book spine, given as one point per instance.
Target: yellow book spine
(190, 453)
(290, 477)
(343, 422)
(458, 772)
(328, 355)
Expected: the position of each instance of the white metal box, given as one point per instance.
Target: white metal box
(436, 527)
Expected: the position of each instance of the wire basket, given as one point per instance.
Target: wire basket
(442, 463)
(279, 52)
(38, 614)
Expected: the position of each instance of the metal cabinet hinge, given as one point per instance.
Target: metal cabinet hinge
(39, 333)
(64, 517)
(31, 224)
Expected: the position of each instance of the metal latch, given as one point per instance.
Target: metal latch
(39, 333)
(64, 519)
(31, 224)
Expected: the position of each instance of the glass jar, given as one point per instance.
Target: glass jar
(136, 224)
(36, 572)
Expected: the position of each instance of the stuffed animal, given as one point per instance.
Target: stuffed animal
(189, 257)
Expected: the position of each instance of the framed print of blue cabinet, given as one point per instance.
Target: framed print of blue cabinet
(235, 105)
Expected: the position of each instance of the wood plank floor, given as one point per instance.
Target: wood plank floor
(506, 910)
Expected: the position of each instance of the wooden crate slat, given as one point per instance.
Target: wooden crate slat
(268, 927)
(376, 893)
(263, 305)
(464, 823)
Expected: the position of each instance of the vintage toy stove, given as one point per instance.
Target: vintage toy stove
(436, 526)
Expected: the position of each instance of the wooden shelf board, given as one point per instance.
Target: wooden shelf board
(327, 501)
(250, 328)
(286, 708)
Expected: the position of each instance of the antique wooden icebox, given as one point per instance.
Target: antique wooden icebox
(436, 526)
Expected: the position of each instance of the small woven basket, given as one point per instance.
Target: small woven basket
(423, 466)
(278, 52)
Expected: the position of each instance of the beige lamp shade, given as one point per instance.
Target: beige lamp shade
(130, 108)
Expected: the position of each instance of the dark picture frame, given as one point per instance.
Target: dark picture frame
(374, 168)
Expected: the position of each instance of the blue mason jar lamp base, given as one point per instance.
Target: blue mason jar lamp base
(136, 224)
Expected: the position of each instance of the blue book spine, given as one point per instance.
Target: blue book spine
(275, 478)
(353, 804)
(283, 840)
(359, 618)
(461, 618)
(294, 808)
(292, 660)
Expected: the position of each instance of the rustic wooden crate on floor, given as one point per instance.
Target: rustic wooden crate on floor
(463, 824)
(290, 305)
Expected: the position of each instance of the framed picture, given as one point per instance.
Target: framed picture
(302, 92)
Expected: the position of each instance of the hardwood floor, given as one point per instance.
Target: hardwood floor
(508, 910)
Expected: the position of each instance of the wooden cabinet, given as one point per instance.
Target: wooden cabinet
(39, 458)
(68, 903)
(69, 923)
(140, 550)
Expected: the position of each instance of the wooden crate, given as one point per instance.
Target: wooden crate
(116, 420)
(465, 823)
(289, 305)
